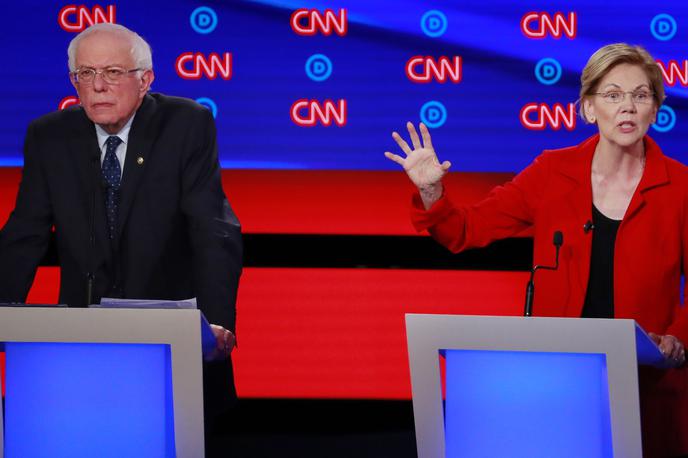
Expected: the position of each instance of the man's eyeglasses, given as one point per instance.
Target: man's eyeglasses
(111, 75)
(640, 97)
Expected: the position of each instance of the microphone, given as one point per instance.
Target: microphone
(588, 226)
(90, 251)
(558, 241)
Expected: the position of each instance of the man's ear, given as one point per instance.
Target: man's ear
(74, 83)
(146, 81)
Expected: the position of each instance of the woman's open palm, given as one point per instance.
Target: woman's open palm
(421, 163)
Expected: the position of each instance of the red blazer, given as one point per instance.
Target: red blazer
(553, 194)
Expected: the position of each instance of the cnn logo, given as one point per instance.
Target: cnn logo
(194, 65)
(76, 18)
(421, 69)
(674, 72)
(68, 102)
(308, 113)
(540, 25)
(308, 22)
(538, 116)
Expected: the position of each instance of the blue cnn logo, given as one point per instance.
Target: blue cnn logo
(434, 23)
(548, 71)
(318, 67)
(663, 27)
(203, 20)
(666, 119)
(209, 104)
(433, 114)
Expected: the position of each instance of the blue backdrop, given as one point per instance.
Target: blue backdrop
(477, 119)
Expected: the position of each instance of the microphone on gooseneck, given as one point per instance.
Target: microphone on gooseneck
(90, 252)
(558, 241)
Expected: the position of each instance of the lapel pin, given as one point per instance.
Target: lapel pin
(139, 160)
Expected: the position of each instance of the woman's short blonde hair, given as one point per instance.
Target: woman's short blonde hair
(608, 57)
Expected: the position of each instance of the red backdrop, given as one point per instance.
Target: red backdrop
(331, 333)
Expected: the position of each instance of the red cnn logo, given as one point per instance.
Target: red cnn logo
(68, 102)
(673, 73)
(307, 113)
(539, 25)
(421, 69)
(209, 66)
(555, 117)
(308, 22)
(75, 18)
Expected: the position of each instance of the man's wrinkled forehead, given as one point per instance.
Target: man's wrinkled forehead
(105, 48)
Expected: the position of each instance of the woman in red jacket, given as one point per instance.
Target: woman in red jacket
(622, 207)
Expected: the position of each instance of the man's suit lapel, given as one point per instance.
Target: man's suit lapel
(141, 138)
(86, 151)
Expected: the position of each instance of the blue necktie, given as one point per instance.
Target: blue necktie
(112, 173)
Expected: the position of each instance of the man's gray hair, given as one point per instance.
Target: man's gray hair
(140, 50)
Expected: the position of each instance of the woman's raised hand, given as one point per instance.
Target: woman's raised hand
(421, 163)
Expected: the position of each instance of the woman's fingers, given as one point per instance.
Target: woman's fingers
(672, 349)
(396, 158)
(427, 140)
(402, 143)
(676, 348)
(414, 135)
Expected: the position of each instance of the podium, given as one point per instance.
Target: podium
(536, 387)
(101, 382)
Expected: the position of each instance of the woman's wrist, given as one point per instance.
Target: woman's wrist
(430, 193)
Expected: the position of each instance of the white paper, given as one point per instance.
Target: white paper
(109, 302)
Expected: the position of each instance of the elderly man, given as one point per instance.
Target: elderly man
(130, 182)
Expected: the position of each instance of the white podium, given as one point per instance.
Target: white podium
(102, 382)
(536, 387)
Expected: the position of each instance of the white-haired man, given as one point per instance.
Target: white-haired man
(130, 182)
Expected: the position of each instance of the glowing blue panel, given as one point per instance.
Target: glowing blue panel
(88, 400)
(503, 403)
(481, 128)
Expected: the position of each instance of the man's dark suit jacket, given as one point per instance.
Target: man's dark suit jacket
(177, 236)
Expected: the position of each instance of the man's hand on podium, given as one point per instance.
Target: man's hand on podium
(671, 347)
(225, 344)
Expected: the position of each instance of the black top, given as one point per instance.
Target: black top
(599, 298)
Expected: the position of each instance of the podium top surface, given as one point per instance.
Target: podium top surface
(59, 324)
(483, 332)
